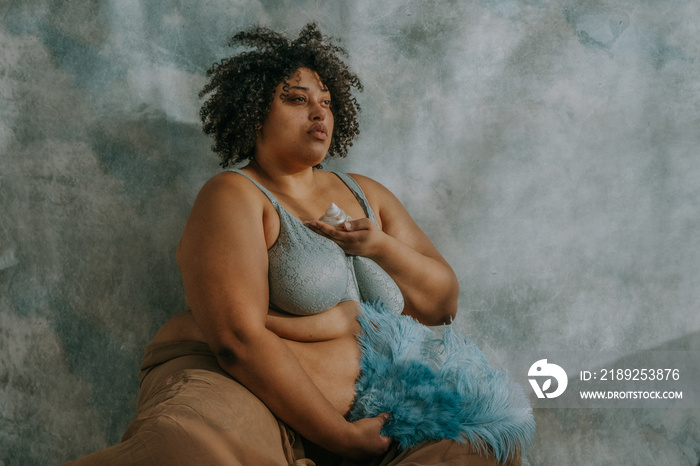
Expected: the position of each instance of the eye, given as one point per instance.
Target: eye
(296, 98)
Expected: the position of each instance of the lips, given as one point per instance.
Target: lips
(318, 131)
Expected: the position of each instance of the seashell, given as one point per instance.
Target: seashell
(335, 215)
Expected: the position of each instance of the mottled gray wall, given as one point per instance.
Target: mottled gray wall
(550, 149)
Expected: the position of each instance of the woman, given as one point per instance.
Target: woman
(274, 301)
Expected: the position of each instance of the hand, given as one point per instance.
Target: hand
(361, 237)
(367, 440)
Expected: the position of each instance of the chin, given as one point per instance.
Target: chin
(316, 161)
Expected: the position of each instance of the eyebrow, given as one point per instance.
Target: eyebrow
(301, 88)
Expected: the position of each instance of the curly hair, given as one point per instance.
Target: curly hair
(242, 88)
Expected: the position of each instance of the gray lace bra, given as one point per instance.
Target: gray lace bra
(309, 273)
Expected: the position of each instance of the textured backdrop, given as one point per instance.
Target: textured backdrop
(549, 148)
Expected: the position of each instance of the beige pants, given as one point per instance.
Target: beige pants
(191, 412)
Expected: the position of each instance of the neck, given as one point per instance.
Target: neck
(283, 179)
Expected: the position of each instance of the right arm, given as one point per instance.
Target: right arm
(223, 260)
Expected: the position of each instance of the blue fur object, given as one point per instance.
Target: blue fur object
(436, 385)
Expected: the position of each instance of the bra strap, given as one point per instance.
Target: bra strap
(262, 188)
(345, 178)
(357, 191)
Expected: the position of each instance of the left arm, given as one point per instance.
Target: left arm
(403, 250)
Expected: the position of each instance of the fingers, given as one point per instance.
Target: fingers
(330, 230)
(383, 418)
(345, 232)
(370, 440)
(356, 225)
(359, 224)
(357, 237)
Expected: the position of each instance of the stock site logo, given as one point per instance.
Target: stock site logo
(542, 369)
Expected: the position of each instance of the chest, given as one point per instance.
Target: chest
(309, 273)
(313, 204)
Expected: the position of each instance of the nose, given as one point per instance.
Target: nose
(318, 112)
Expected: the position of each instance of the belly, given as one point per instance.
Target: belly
(333, 365)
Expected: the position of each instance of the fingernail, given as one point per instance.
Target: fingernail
(347, 225)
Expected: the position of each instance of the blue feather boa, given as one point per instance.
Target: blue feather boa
(436, 385)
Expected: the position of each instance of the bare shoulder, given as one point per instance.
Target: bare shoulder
(369, 185)
(229, 209)
(395, 221)
(229, 197)
(378, 195)
(383, 202)
(229, 186)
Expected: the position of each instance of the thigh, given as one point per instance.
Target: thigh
(192, 412)
(206, 415)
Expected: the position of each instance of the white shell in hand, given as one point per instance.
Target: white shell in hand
(335, 215)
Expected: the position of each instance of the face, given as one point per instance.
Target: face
(298, 129)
